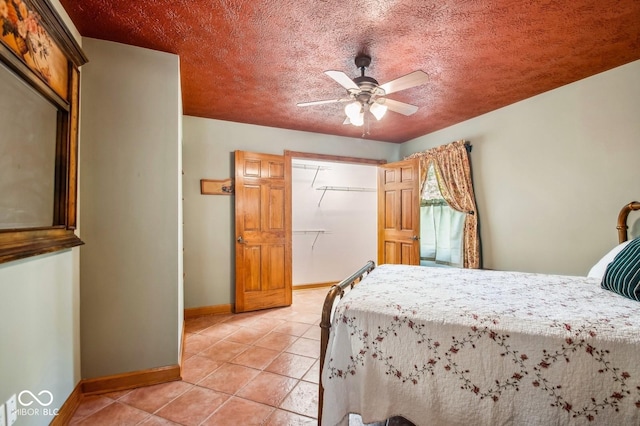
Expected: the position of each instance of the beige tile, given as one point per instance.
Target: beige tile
(281, 417)
(244, 319)
(220, 330)
(151, 398)
(193, 407)
(305, 347)
(116, 394)
(293, 328)
(303, 399)
(256, 357)
(276, 341)
(195, 343)
(197, 368)
(224, 351)
(306, 318)
(290, 365)
(229, 378)
(268, 388)
(115, 414)
(313, 333)
(193, 325)
(266, 323)
(91, 404)
(313, 375)
(238, 411)
(157, 421)
(245, 335)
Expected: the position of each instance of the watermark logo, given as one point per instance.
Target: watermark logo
(36, 404)
(35, 398)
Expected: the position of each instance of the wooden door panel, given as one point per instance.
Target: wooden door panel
(389, 176)
(252, 211)
(276, 208)
(275, 170)
(407, 256)
(407, 214)
(276, 263)
(407, 174)
(252, 259)
(390, 252)
(263, 232)
(251, 168)
(398, 213)
(389, 210)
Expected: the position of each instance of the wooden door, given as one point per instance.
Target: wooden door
(263, 232)
(399, 213)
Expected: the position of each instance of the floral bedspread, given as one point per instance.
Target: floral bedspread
(471, 347)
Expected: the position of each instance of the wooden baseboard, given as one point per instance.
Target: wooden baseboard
(184, 338)
(208, 310)
(313, 285)
(68, 409)
(135, 379)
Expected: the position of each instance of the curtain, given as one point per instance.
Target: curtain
(452, 167)
(441, 235)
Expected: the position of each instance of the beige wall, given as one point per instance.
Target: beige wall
(208, 219)
(130, 214)
(39, 321)
(552, 172)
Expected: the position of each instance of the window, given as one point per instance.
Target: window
(441, 227)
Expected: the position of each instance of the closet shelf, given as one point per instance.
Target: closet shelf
(310, 167)
(312, 231)
(324, 190)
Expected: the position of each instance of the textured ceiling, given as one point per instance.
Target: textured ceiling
(251, 61)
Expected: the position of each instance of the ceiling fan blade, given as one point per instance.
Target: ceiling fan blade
(342, 79)
(326, 101)
(400, 107)
(413, 79)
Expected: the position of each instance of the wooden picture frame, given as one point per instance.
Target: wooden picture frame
(39, 50)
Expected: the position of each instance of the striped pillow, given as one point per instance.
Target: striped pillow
(623, 274)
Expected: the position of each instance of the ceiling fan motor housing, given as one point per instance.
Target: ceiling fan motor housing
(369, 88)
(363, 61)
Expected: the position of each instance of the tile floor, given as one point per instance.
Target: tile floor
(258, 368)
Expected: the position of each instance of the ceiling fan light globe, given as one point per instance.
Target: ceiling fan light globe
(353, 110)
(378, 110)
(358, 120)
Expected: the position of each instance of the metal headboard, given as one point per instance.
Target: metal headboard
(622, 220)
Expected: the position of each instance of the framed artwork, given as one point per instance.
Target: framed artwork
(39, 83)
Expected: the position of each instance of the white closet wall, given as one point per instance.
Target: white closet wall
(334, 230)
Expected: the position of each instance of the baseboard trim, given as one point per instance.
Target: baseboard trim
(208, 310)
(313, 285)
(184, 339)
(69, 407)
(135, 379)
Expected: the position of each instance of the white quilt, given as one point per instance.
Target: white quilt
(470, 347)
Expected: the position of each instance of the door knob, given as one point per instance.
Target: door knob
(415, 238)
(241, 240)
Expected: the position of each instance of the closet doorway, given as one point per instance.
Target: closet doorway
(334, 217)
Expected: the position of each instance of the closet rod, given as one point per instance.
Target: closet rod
(312, 231)
(324, 190)
(310, 167)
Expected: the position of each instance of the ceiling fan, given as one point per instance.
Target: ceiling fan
(364, 94)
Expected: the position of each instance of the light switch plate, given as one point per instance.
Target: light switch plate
(12, 410)
(3, 420)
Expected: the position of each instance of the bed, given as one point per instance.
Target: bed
(467, 347)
